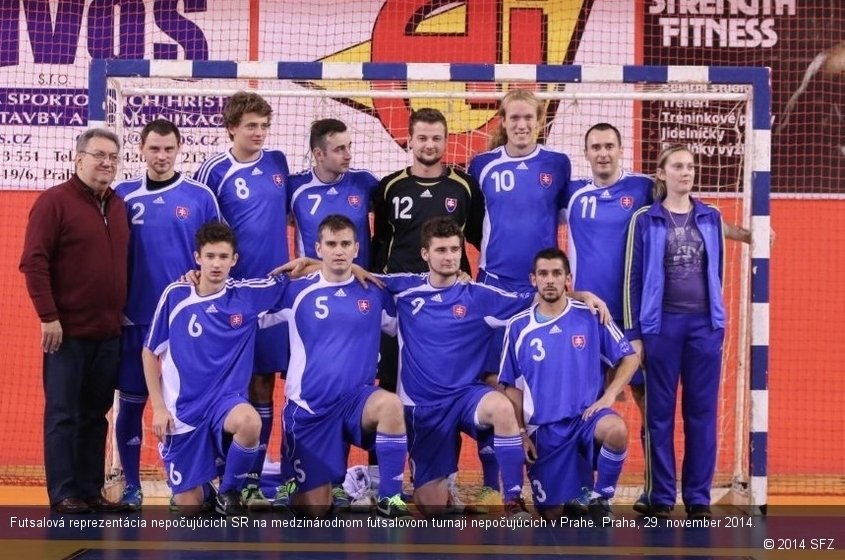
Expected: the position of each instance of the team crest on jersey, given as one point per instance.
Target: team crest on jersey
(236, 320)
(181, 212)
(579, 341)
(459, 311)
(354, 200)
(364, 306)
(278, 179)
(545, 180)
(451, 204)
(627, 202)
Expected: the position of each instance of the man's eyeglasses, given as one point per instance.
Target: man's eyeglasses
(101, 157)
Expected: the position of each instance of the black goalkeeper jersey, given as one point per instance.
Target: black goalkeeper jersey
(403, 203)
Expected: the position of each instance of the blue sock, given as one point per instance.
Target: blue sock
(610, 467)
(265, 411)
(510, 456)
(391, 449)
(489, 464)
(239, 462)
(129, 435)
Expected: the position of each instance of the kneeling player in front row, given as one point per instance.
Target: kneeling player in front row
(331, 401)
(551, 370)
(198, 359)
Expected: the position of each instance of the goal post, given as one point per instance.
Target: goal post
(723, 113)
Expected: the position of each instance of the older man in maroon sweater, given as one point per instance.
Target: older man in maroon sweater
(74, 260)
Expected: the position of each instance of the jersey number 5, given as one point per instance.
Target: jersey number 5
(322, 309)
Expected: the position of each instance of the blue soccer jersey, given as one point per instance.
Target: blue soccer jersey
(444, 333)
(206, 343)
(254, 202)
(312, 200)
(162, 224)
(598, 219)
(335, 328)
(557, 363)
(522, 196)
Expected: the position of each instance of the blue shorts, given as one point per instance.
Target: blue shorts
(315, 444)
(433, 432)
(272, 350)
(130, 376)
(190, 459)
(555, 476)
(497, 341)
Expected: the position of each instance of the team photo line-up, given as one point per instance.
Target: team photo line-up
(528, 359)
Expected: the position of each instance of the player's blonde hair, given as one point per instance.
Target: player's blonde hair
(500, 135)
(659, 190)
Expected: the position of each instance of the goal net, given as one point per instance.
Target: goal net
(719, 115)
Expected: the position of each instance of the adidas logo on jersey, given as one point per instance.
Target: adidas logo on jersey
(159, 200)
(605, 194)
(521, 166)
(437, 297)
(426, 194)
(211, 309)
(135, 441)
(332, 191)
(555, 330)
(340, 293)
(256, 171)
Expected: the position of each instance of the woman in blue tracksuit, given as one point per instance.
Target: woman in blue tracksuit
(675, 318)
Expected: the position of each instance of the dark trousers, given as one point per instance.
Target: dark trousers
(687, 350)
(79, 384)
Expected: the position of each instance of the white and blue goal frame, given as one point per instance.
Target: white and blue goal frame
(758, 144)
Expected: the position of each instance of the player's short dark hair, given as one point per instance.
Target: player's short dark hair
(240, 104)
(162, 127)
(441, 227)
(551, 254)
(215, 232)
(322, 129)
(427, 115)
(335, 223)
(602, 126)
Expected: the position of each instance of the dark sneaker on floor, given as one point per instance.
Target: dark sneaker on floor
(641, 505)
(229, 503)
(600, 511)
(699, 512)
(578, 507)
(392, 507)
(132, 498)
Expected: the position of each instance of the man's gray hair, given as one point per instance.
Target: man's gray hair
(85, 137)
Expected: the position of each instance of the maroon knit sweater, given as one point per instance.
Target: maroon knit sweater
(74, 259)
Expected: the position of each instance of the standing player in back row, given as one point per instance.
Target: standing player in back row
(165, 211)
(598, 212)
(251, 187)
(331, 187)
(523, 184)
(407, 199)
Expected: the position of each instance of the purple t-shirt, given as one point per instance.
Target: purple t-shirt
(685, 263)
